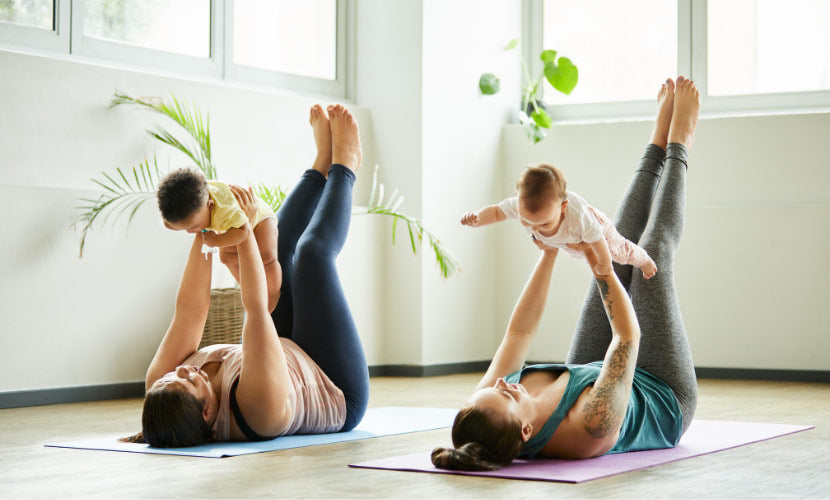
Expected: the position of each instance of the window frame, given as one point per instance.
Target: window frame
(691, 61)
(67, 39)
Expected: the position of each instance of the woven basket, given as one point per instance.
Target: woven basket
(224, 321)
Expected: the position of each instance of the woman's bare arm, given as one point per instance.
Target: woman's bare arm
(192, 303)
(524, 322)
(264, 383)
(603, 407)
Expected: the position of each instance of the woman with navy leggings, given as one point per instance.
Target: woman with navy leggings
(298, 370)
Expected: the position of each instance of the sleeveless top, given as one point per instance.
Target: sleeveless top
(652, 419)
(317, 405)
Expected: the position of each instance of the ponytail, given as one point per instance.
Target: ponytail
(483, 440)
(470, 456)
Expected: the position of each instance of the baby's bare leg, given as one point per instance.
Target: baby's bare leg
(229, 257)
(266, 238)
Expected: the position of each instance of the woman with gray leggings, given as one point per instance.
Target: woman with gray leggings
(629, 382)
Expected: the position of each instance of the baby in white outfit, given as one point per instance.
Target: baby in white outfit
(557, 217)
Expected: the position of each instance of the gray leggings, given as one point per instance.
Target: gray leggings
(651, 214)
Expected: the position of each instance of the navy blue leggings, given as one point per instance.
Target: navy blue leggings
(312, 310)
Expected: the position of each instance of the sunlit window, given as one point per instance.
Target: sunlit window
(621, 47)
(33, 13)
(180, 26)
(289, 36)
(766, 46)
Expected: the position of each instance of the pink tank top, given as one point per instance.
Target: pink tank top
(318, 405)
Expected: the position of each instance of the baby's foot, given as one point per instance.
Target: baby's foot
(649, 269)
(686, 111)
(322, 138)
(665, 106)
(345, 138)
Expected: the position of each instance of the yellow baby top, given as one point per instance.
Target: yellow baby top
(227, 213)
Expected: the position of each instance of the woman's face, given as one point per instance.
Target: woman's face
(505, 399)
(190, 379)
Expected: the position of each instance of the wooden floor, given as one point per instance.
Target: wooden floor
(795, 466)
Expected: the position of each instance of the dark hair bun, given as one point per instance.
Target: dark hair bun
(470, 457)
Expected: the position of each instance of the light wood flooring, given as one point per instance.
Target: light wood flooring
(795, 466)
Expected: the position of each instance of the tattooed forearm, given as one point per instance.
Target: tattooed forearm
(605, 409)
(603, 292)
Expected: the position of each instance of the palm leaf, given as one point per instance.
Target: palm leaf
(447, 264)
(188, 118)
(118, 199)
(273, 196)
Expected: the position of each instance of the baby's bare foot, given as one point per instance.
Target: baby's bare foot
(686, 111)
(649, 269)
(322, 138)
(345, 138)
(665, 106)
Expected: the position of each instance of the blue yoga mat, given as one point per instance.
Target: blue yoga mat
(386, 421)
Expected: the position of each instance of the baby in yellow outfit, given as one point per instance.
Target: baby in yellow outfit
(189, 202)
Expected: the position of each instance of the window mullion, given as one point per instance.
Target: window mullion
(684, 37)
(699, 46)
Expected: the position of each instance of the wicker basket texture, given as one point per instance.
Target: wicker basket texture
(224, 321)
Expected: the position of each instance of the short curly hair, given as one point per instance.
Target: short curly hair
(181, 193)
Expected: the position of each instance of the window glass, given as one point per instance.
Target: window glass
(180, 26)
(764, 46)
(34, 13)
(289, 36)
(621, 47)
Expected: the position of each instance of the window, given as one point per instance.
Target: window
(294, 44)
(765, 46)
(33, 13)
(621, 47)
(744, 55)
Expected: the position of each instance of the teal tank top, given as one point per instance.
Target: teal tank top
(652, 420)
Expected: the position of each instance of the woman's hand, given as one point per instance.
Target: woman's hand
(245, 198)
(590, 257)
(541, 246)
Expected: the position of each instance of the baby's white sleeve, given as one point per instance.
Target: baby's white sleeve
(510, 207)
(589, 225)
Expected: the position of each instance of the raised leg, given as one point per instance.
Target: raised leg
(323, 323)
(592, 334)
(295, 214)
(664, 347)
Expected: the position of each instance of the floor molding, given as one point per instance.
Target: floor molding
(38, 397)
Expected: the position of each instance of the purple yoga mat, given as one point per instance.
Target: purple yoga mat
(703, 436)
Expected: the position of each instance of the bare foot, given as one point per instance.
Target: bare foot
(665, 106)
(322, 138)
(686, 111)
(345, 138)
(649, 269)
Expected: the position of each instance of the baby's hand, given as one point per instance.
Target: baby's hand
(470, 219)
(210, 238)
(649, 269)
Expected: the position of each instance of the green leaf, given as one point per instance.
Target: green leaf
(512, 45)
(541, 118)
(562, 76)
(489, 84)
(548, 55)
(533, 132)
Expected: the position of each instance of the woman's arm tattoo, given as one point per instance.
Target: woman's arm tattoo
(605, 409)
(603, 292)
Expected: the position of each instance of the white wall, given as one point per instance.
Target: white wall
(98, 320)
(461, 168)
(752, 268)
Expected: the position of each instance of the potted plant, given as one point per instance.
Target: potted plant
(560, 72)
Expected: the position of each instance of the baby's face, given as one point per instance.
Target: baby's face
(546, 220)
(197, 221)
